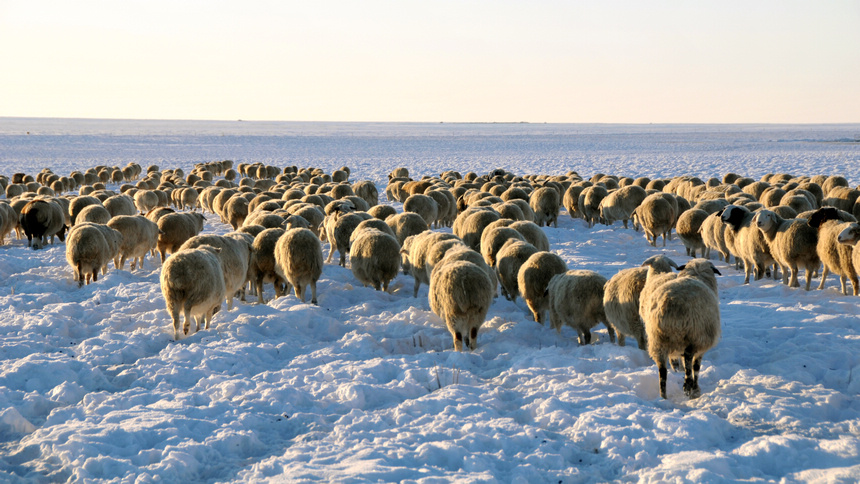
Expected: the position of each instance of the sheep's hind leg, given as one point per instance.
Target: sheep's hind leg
(691, 386)
(661, 369)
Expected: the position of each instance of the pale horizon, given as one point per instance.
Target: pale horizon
(619, 62)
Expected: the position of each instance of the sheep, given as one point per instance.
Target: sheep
(589, 203)
(382, 212)
(263, 263)
(371, 223)
(146, 200)
(192, 282)
(545, 202)
(510, 257)
(299, 261)
(97, 214)
(534, 276)
(424, 206)
(406, 224)
(139, 236)
(472, 226)
(339, 226)
(414, 251)
(620, 204)
(493, 239)
(120, 205)
(42, 219)
(793, 244)
(836, 257)
(460, 295)
(437, 251)
(461, 252)
(571, 200)
(235, 257)
(621, 299)
(575, 298)
(235, 211)
(746, 242)
(78, 203)
(525, 208)
(89, 249)
(656, 216)
(681, 313)
(850, 236)
(689, 231)
(374, 258)
(175, 228)
(532, 234)
(367, 191)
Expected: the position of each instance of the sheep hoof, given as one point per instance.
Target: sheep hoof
(691, 389)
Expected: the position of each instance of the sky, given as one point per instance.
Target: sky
(623, 61)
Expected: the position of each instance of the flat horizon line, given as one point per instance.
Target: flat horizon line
(582, 123)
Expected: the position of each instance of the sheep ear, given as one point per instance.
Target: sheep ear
(716, 271)
(681, 267)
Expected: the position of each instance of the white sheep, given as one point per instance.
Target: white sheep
(367, 191)
(682, 318)
(299, 261)
(589, 203)
(463, 253)
(469, 226)
(414, 251)
(235, 257)
(89, 249)
(533, 278)
(339, 227)
(374, 258)
(139, 237)
(532, 234)
(576, 299)
(460, 294)
(406, 224)
(175, 228)
(793, 244)
(510, 257)
(545, 202)
(493, 239)
(621, 298)
(96, 214)
(689, 231)
(424, 206)
(620, 204)
(656, 215)
(145, 200)
(192, 284)
(263, 263)
(120, 205)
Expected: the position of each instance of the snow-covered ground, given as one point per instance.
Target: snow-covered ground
(366, 387)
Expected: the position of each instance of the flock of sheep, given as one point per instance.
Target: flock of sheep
(281, 218)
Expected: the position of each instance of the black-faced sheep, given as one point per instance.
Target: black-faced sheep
(299, 261)
(792, 243)
(460, 294)
(192, 284)
(836, 257)
(746, 242)
(682, 318)
(576, 299)
(533, 278)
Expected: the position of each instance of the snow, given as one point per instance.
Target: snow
(366, 386)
